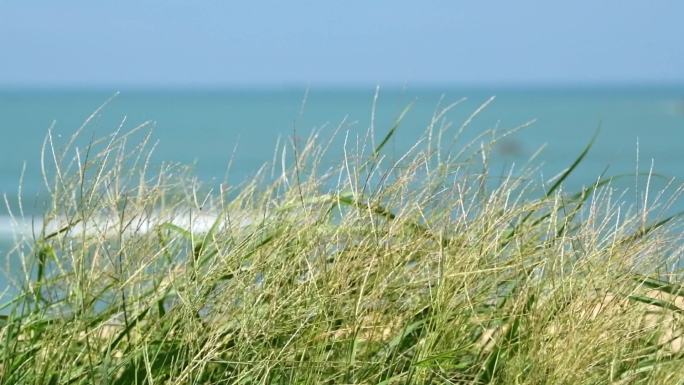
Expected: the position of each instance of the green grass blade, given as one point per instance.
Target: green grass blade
(572, 167)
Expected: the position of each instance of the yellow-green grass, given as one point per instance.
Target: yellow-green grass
(419, 269)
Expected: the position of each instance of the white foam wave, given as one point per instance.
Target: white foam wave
(11, 227)
(110, 225)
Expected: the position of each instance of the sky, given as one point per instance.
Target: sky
(252, 43)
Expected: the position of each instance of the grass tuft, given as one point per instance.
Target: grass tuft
(420, 270)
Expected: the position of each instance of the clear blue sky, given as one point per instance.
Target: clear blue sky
(352, 42)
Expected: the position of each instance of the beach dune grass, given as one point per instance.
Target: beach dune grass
(417, 269)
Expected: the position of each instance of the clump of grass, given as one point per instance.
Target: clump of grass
(421, 270)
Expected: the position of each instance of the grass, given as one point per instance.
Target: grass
(425, 269)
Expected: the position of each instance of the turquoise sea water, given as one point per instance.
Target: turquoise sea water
(205, 126)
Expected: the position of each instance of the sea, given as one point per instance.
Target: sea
(639, 128)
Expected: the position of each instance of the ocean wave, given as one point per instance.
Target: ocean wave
(11, 227)
(110, 225)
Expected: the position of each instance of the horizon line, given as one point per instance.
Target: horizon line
(391, 86)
